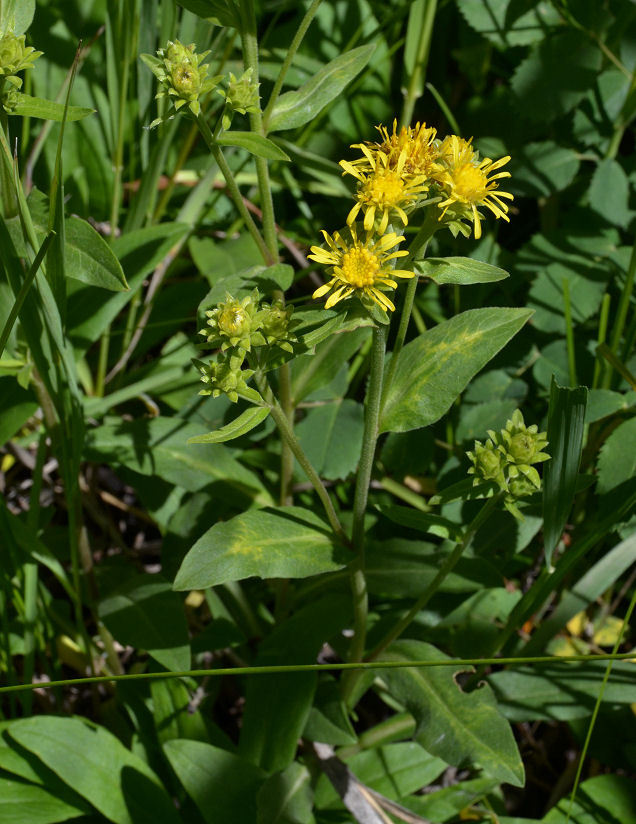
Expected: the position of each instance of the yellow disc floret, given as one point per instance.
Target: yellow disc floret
(359, 267)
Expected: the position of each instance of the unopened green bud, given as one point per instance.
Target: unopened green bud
(521, 444)
(488, 464)
(242, 93)
(224, 376)
(14, 55)
(234, 323)
(10, 98)
(275, 324)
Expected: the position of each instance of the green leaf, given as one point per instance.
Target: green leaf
(560, 691)
(221, 12)
(255, 144)
(145, 613)
(172, 712)
(246, 421)
(609, 192)
(617, 461)
(16, 407)
(222, 785)
(296, 108)
(541, 169)
(278, 542)
(22, 803)
(157, 446)
(88, 257)
(331, 436)
(436, 367)
(452, 724)
(264, 278)
(459, 270)
(16, 15)
(311, 372)
(98, 767)
(328, 719)
(566, 416)
(597, 580)
(421, 521)
(548, 86)
(400, 568)
(286, 797)
(604, 799)
(447, 804)
(508, 23)
(27, 106)
(546, 296)
(604, 402)
(277, 706)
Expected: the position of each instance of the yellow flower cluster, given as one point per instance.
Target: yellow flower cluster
(410, 168)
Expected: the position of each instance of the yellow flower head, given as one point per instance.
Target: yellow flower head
(416, 144)
(383, 189)
(470, 182)
(360, 267)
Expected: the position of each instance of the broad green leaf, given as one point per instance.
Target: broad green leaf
(604, 799)
(541, 169)
(246, 421)
(446, 804)
(296, 108)
(609, 192)
(222, 785)
(546, 296)
(255, 144)
(157, 446)
(604, 402)
(277, 706)
(566, 417)
(286, 797)
(22, 803)
(145, 613)
(278, 542)
(548, 86)
(172, 712)
(98, 767)
(27, 106)
(16, 15)
(507, 23)
(88, 257)
(222, 12)
(456, 726)
(459, 270)
(617, 460)
(266, 279)
(401, 568)
(436, 367)
(395, 770)
(560, 691)
(597, 580)
(421, 521)
(331, 436)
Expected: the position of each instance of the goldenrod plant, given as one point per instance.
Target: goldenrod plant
(317, 410)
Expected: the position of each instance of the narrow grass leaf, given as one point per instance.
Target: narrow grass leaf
(566, 418)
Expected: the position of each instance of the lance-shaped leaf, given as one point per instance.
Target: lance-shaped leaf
(255, 144)
(566, 417)
(296, 108)
(27, 106)
(459, 727)
(436, 367)
(459, 270)
(277, 542)
(245, 422)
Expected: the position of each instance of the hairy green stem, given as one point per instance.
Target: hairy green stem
(233, 189)
(363, 480)
(282, 422)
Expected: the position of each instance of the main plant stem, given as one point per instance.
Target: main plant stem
(365, 467)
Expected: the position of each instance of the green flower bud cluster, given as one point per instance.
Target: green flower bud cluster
(241, 94)
(15, 57)
(237, 327)
(182, 74)
(224, 376)
(507, 459)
